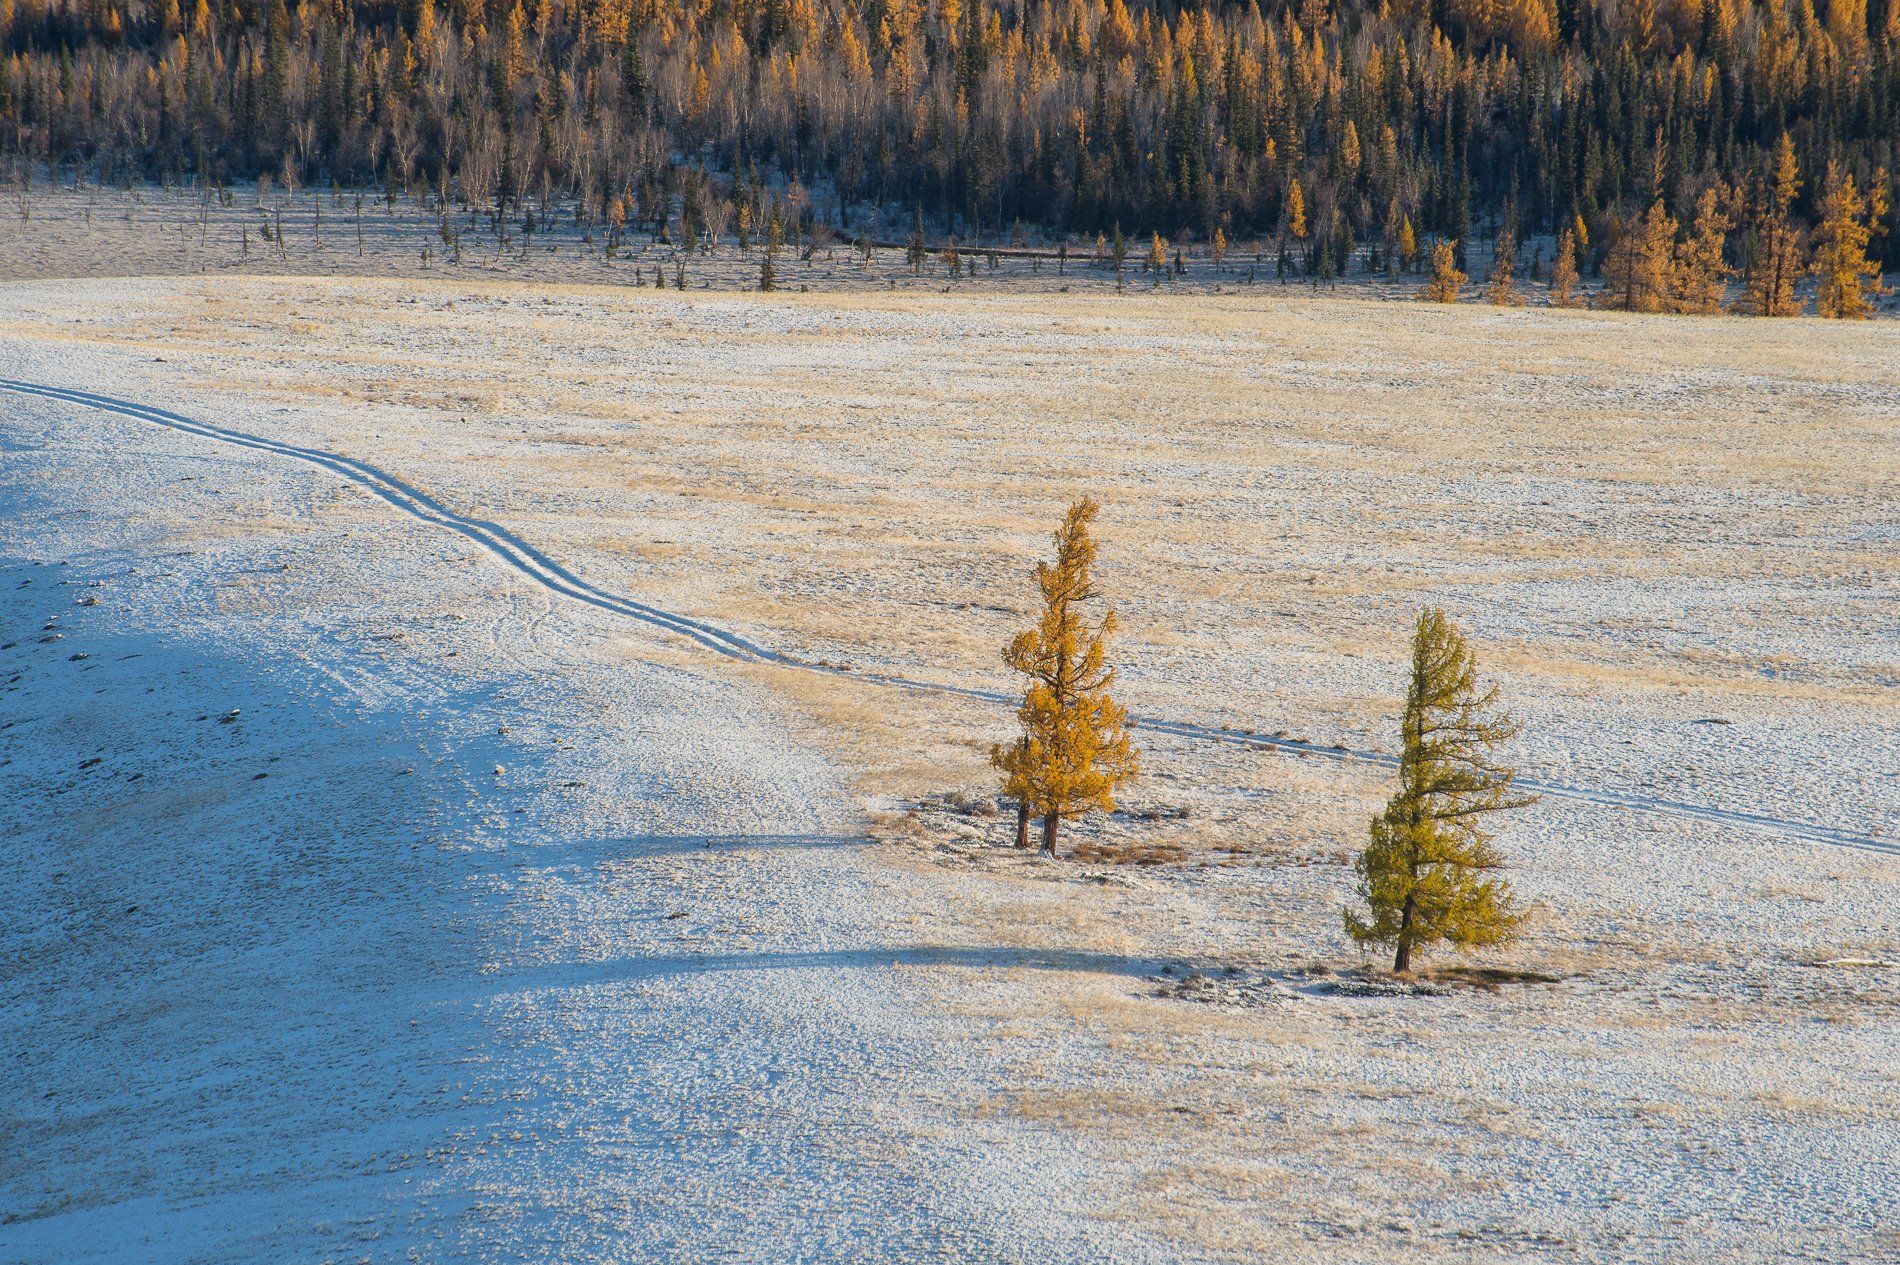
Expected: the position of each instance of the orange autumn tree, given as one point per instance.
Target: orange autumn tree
(1848, 223)
(1638, 273)
(1442, 286)
(1502, 289)
(1563, 272)
(1074, 749)
(1293, 218)
(1701, 271)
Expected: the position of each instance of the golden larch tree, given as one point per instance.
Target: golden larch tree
(1502, 287)
(1389, 233)
(1848, 277)
(1293, 216)
(1701, 280)
(1847, 27)
(1074, 749)
(1639, 271)
(1563, 272)
(513, 63)
(1426, 874)
(1776, 262)
(1442, 286)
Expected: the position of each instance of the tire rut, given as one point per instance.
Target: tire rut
(530, 561)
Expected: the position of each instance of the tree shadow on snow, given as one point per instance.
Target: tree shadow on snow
(653, 847)
(665, 845)
(665, 966)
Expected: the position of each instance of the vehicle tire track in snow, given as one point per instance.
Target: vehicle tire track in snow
(536, 565)
(518, 553)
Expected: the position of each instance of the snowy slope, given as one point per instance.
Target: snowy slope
(306, 958)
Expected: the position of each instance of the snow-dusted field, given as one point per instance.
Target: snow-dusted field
(549, 935)
(364, 903)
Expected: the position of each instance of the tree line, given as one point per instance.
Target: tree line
(1656, 265)
(1324, 124)
(1428, 873)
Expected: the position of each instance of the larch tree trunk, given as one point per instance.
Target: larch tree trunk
(1402, 960)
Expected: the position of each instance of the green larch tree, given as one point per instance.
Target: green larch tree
(917, 249)
(1427, 874)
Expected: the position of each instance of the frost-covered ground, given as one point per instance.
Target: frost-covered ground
(847, 1051)
(363, 903)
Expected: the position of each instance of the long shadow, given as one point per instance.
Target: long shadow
(672, 845)
(651, 847)
(973, 957)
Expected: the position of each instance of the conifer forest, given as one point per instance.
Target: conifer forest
(1336, 124)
